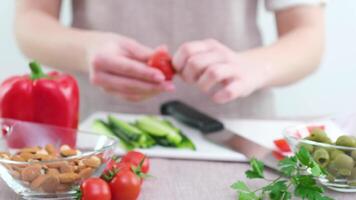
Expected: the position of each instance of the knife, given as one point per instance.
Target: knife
(214, 131)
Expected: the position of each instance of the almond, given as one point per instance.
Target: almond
(68, 152)
(4, 155)
(51, 150)
(42, 157)
(42, 151)
(63, 188)
(52, 171)
(17, 158)
(66, 168)
(93, 162)
(68, 177)
(31, 172)
(56, 164)
(50, 184)
(30, 149)
(15, 174)
(26, 155)
(86, 172)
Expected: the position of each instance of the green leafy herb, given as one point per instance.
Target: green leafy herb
(295, 183)
(257, 169)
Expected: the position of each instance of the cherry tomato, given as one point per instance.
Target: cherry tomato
(113, 166)
(94, 189)
(162, 61)
(282, 145)
(125, 185)
(135, 158)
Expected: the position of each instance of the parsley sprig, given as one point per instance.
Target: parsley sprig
(294, 180)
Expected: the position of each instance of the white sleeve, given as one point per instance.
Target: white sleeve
(275, 5)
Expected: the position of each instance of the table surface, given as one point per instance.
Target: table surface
(190, 180)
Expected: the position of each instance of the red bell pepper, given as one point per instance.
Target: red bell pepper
(51, 98)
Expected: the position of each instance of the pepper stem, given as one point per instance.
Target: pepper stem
(36, 70)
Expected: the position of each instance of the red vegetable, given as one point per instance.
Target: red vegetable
(282, 145)
(277, 155)
(94, 189)
(311, 128)
(51, 98)
(125, 185)
(162, 61)
(112, 166)
(135, 158)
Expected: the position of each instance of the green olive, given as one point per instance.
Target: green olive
(334, 152)
(353, 174)
(332, 169)
(343, 164)
(346, 141)
(318, 135)
(353, 154)
(308, 147)
(321, 156)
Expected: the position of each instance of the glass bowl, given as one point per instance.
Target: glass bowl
(342, 172)
(51, 177)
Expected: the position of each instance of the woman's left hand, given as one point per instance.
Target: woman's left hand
(208, 63)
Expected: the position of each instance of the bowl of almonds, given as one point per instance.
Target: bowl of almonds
(51, 168)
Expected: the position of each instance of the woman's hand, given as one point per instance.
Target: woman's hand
(118, 65)
(208, 64)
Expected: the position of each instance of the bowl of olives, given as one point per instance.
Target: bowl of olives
(336, 153)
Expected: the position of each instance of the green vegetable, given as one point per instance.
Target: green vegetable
(99, 126)
(346, 141)
(334, 153)
(304, 186)
(144, 133)
(164, 132)
(319, 135)
(343, 164)
(130, 134)
(321, 156)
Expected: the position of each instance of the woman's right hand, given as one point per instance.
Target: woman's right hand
(119, 66)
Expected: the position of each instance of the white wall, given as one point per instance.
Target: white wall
(330, 90)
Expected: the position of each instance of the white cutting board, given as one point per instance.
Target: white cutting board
(260, 131)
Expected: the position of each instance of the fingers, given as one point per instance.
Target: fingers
(198, 63)
(130, 96)
(137, 51)
(214, 75)
(234, 89)
(124, 66)
(126, 85)
(187, 50)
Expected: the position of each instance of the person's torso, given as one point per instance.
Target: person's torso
(173, 22)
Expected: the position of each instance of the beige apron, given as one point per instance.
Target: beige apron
(173, 22)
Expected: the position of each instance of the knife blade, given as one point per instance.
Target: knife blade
(214, 131)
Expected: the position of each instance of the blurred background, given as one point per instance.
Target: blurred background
(330, 90)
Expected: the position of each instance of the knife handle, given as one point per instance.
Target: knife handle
(191, 117)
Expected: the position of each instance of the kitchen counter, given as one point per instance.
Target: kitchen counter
(190, 180)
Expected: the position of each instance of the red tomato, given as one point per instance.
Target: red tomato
(162, 60)
(126, 185)
(113, 165)
(282, 145)
(311, 128)
(94, 189)
(135, 158)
